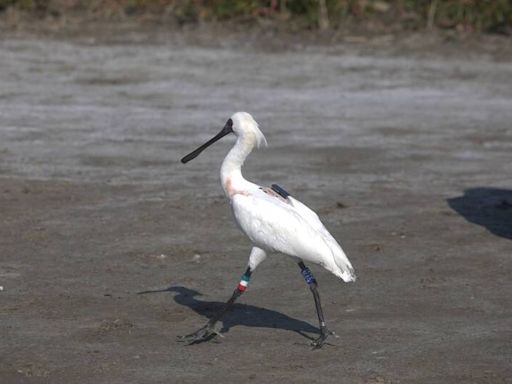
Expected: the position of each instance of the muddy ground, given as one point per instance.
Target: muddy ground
(110, 248)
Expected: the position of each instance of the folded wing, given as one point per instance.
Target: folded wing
(291, 228)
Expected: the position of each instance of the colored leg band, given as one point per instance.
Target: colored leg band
(308, 276)
(244, 281)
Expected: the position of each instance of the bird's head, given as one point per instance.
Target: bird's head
(245, 128)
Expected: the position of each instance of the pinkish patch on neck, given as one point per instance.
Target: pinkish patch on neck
(230, 189)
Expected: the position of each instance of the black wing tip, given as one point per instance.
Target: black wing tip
(276, 188)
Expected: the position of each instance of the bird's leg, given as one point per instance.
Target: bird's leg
(311, 281)
(209, 331)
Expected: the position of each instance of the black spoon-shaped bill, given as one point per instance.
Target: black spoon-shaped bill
(228, 128)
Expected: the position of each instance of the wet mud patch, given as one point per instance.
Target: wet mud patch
(119, 161)
(111, 327)
(343, 158)
(112, 81)
(96, 209)
(325, 159)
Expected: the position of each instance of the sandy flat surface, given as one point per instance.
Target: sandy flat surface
(110, 248)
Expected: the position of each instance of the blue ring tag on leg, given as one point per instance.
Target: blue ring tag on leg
(308, 276)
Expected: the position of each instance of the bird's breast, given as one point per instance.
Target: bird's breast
(231, 189)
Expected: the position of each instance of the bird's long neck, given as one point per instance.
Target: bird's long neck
(231, 171)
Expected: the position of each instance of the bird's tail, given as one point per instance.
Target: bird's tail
(342, 266)
(347, 274)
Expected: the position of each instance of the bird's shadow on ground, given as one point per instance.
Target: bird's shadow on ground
(488, 207)
(240, 314)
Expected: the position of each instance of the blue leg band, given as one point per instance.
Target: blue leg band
(308, 276)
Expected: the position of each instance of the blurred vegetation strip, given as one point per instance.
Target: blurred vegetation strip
(493, 16)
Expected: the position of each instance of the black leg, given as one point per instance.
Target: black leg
(209, 331)
(313, 286)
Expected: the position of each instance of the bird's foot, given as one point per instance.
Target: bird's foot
(319, 342)
(206, 333)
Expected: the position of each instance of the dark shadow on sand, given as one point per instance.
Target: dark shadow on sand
(488, 207)
(241, 314)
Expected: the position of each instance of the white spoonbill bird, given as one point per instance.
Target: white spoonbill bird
(274, 221)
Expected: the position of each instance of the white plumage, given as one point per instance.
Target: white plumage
(274, 223)
(275, 226)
